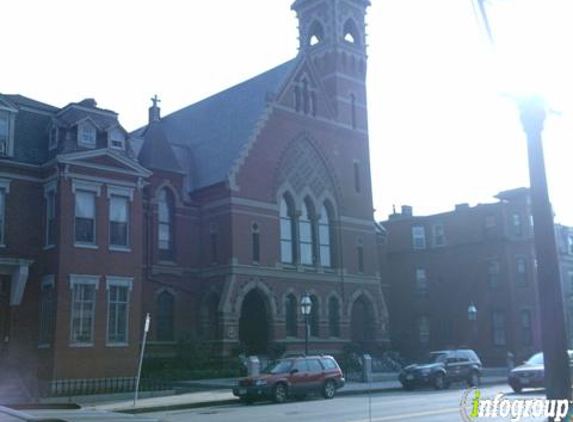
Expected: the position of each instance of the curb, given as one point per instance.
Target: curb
(212, 403)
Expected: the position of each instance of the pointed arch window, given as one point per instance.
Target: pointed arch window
(360, 255)
(291, 316)
(307, 235)
(351, 34)
(287, 222)
(313, 317)
(316, 34)
(165, 226)
(165, 313)
(325, 237)
(256, 242)
(334, 317)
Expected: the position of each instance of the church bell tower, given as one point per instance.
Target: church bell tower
(332, 34)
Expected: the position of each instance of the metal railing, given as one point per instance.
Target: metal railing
(78, 387)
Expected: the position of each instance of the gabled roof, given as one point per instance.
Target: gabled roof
(216, 129)
(156, 152)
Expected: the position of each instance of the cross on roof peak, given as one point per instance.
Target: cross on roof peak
(155, 100)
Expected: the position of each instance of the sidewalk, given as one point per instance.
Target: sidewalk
(217, 392)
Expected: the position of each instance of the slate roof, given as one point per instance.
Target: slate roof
(216, 129)
(70, 116)
(28, 102)
(30, 129)
(156, 152)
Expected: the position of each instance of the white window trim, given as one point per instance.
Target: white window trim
(82, 279)
(121, 282)
(113, 190)
(121, 193)
(109, 139)
(87, 186)
(421, 235)
(87, 245)
(80, 140)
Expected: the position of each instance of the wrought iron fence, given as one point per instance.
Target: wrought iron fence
(78, 387)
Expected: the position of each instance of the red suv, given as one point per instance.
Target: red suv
(292, 377)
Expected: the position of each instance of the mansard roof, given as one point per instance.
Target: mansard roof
(215, 130)
(20, 100)
(73, 113)
(31, 136)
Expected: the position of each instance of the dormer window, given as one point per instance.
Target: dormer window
(116, 139)
(87, 135)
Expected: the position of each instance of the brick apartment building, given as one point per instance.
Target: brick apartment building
(438, 265)
(215, 219)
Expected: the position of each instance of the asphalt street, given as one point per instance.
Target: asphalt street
(427, 405)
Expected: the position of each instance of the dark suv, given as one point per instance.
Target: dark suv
(292, 377)
(442, 368)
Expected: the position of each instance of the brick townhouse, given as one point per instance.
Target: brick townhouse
(438, 265)
(216, 219)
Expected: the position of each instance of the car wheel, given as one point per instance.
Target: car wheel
(408, 386)
(329, 389)
(439, 381)
(474, 380)
(516, 388)
(279, 393)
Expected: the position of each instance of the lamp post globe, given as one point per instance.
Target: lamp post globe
(472, 312)
(305, 309)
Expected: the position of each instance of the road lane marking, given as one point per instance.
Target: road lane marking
(402, 416)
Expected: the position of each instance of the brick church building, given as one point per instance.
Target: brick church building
(215, 219)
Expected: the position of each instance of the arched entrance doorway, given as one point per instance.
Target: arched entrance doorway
(362, 321)
(254, 323)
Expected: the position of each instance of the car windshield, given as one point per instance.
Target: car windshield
(278, 367)
(435, 358)
(536, 359)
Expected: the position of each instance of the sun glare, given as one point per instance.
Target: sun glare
(532, 39)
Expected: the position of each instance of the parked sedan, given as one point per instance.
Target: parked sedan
(532, 373)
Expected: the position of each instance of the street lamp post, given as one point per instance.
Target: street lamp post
(305, 308)
(472, 318)
(553, 334)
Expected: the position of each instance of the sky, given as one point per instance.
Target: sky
(442, 128)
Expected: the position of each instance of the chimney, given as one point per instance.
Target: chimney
(407, 211)
(88, 102)
(462, 207)
(154, 110)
